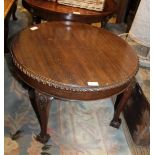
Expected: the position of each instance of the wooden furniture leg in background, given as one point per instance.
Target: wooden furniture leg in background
(14, 11)
(41, 105)
(137, 115)
(119, 106)
(122, 8)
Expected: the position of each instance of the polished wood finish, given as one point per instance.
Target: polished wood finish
(10, 7)
(49, 10)
(60, 58)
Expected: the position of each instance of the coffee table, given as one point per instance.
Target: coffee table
(48, 10)
(73, 61)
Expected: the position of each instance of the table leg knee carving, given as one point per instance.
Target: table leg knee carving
(41, 106)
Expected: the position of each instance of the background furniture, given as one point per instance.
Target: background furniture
(137, 115)
(49, 10)
(10, 7)
(126, 11)
(96, 64)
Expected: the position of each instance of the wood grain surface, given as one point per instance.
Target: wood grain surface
(66, 56)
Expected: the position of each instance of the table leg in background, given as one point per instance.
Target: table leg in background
(119, 106)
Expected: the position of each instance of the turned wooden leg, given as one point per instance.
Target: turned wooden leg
(121, 101)
(41, 106)
(14, 12)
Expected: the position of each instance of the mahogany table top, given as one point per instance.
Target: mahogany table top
(60, 58)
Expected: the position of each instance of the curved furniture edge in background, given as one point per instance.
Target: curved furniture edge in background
(50, 11)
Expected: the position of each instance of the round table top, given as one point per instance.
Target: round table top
(46, 9)
(69, 56)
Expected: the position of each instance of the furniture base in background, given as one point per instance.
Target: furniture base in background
(137, 115)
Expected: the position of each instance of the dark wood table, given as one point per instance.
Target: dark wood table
(73, 61)
(10, 7)
(48, 10)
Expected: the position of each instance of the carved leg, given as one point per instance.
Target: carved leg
(14, 12)
(121, 101)
(41, 106)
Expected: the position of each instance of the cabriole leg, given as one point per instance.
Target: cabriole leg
(120, 104)
(41, 106)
